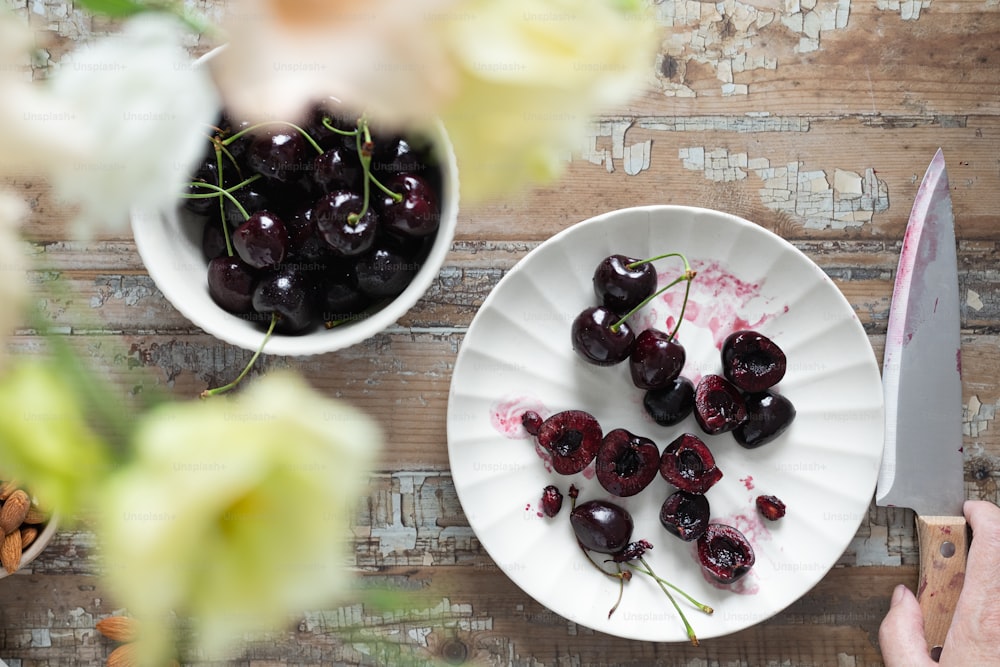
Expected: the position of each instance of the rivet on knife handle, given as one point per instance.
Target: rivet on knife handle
(943, 547)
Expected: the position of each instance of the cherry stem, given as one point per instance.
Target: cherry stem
(222, 204)
(328, 124)
(363, 138)
(209, 195)
(246, 369)
(680, 612)
(305, 135)
(216, 192)
(688, 276)
(621, 589)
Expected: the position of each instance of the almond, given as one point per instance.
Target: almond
(123, 656)
(28, 535)
(7, 488)
(36, 515)
(13, 511)
(10, 552)
(118, 628)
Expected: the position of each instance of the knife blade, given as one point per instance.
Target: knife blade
(922, 461)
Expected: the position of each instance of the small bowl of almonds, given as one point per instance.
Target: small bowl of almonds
(27, 529)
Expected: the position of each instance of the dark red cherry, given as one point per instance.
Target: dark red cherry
(719, 406)
(620, 288)
(552, 500)
(337, 169)
(725, 553)
(685, 515)
(601, 526)
(397, 155)
(280, 153)
(751, 361)
(688, 464)
(261, 241)
(656, 360)
(596, 341)
(288, 292)
(213, 240)
(670, 405)
(572, 437)
(231, 283)
(770, 507)
(346, 237)
(626, 463)
(385, 272)
(768, 415)
(532, 422)
(341, 299)
(417, 214)
(252, 198)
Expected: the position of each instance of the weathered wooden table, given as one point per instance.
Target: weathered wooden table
(812, 118)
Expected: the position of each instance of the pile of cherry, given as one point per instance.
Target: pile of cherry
(318, 223)
(741, 401)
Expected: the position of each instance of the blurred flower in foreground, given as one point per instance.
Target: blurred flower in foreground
(516, 82)
(13, 265)
(45, 439)
(140, 104)
(236, 512)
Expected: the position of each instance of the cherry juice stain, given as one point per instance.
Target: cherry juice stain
(719, 301)
(748, 482)
(505, 415)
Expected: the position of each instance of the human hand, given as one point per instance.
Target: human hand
(974, 635)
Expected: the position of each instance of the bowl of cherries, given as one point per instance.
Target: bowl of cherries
(307, 236)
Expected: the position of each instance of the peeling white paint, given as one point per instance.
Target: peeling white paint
(976, 416)
(909, 10)
(850, 200)
(722, 35)
(973, 300)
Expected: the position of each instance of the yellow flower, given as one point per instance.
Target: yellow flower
(45, 441)
(236, 511)
(533, 75)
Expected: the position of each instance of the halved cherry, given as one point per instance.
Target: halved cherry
(626, 463)
(685, 515)
(688, 464)
(752, 361)
(719, 406)
(725, 553)
(573, 438)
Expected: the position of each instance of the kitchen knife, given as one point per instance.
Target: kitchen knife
(921, 378)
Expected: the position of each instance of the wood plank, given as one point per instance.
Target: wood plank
(470, 615)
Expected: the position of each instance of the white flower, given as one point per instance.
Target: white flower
(140, 106)
(36, 131)
(236, 512)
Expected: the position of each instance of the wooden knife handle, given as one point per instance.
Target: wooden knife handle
(943, 547)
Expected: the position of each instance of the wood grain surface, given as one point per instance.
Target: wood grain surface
(812, 118)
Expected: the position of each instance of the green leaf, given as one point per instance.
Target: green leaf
(113, 8)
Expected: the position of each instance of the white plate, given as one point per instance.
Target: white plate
(517, 355)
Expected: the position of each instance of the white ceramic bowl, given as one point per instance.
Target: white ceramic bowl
(38, 546)
(172, 255)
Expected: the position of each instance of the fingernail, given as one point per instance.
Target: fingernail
(897, 595)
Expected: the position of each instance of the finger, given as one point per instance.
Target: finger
(901, 635)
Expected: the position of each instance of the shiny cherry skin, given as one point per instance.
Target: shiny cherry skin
(769, 414)
(595, 339)
(385, 272)
(280, 153)
(261, 241)
(619, 287)
(417, 214)
(669, 406)
(602, 526)
(288, 292)
(332, 217)
(231, 283)
(656, 360)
